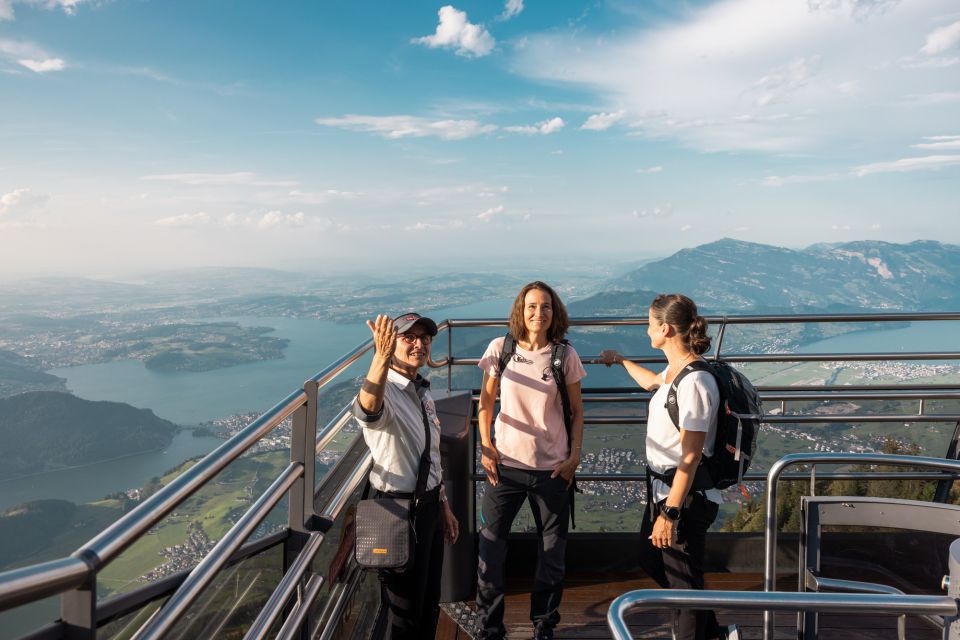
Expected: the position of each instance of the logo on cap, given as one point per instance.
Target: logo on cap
(410, 318)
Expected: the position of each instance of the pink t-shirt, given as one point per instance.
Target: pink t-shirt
(529, 431)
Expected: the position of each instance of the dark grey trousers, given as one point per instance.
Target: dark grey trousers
(550, 503)
(681, 565)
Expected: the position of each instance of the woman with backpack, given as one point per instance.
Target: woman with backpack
(675, 522)
(530, 454)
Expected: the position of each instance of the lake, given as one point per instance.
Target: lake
(189, 398)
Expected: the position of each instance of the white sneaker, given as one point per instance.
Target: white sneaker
(733, 632)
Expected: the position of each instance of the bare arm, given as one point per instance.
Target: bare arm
(691, 449)
(643, 376)
(490, 457)
(374, 385)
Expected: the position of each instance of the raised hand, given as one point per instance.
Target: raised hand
(384, 336)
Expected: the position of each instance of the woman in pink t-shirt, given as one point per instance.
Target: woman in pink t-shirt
(528, 455)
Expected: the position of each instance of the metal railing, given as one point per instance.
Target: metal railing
(779, 601)
(75, 577)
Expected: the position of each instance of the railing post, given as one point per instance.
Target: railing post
(449, 356)
(942, 493)
(951, 625)
(78, 611)
(303, 440)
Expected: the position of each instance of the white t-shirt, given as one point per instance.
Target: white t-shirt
(697, 399)
(396, 436)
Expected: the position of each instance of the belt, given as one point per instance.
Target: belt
(430, 495)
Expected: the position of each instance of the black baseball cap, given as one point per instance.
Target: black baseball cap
(407, 321)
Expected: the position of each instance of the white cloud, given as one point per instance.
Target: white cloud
(942, 39)
(185, 220)
(909, 164)
(434, 226)
(68, 6)
(779, 181)
(511, 9)
(269, 220)
(950, 143)
(43, 66)
(277, 218)
(30, 56)
(455, 32)
(489, 214)
(714, 77)
(546, 127)
(602, 121)
(20, 202)
(656, 169)
(219, 179)
(403, 126)
(686, 227)
(654, 212)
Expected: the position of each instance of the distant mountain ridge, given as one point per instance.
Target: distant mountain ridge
(733, 275)
(47, 430)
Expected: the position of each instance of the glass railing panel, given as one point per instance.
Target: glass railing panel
(29, 617)
(185, 536)
(225, 609)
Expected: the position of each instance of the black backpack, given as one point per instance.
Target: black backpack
(557, 356)
(738, 422)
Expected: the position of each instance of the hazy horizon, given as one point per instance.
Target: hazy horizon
(348, 138)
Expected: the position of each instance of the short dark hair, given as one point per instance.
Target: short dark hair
(559, 324)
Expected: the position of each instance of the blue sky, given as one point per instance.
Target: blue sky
(148, 134)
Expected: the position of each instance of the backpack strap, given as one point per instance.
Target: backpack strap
(557, 357)
(506, 353)
(672, 405)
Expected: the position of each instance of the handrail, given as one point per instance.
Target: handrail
(770, 534)
(278, 599)
(26, 584)
(767, 601)
(108, 544)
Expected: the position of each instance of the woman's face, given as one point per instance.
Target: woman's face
(537, 311)
(656, 330)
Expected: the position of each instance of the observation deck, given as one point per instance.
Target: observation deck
(827, 527)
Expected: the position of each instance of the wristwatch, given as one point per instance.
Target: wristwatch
(670, 513)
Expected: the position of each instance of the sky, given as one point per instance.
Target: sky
(141, 135)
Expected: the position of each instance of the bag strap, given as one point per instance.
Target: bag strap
(673, 405)
(423, 471)
(509, 348)
(557, 357)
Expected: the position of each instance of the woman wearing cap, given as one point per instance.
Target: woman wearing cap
(528, 454)
(390, 407)
(675, 522)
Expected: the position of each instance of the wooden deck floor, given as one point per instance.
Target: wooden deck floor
(587, 597)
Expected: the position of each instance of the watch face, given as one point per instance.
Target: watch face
(671, 513)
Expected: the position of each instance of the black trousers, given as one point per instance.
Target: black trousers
(550, 503)
(681, 565)
(413, 596)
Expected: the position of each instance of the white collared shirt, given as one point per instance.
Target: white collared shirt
(396, 436)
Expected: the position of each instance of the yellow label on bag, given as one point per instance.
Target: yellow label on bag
(380, 552)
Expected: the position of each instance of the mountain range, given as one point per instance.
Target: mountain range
(735, 276)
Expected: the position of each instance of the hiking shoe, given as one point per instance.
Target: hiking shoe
(733, 633)
(543, 633)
